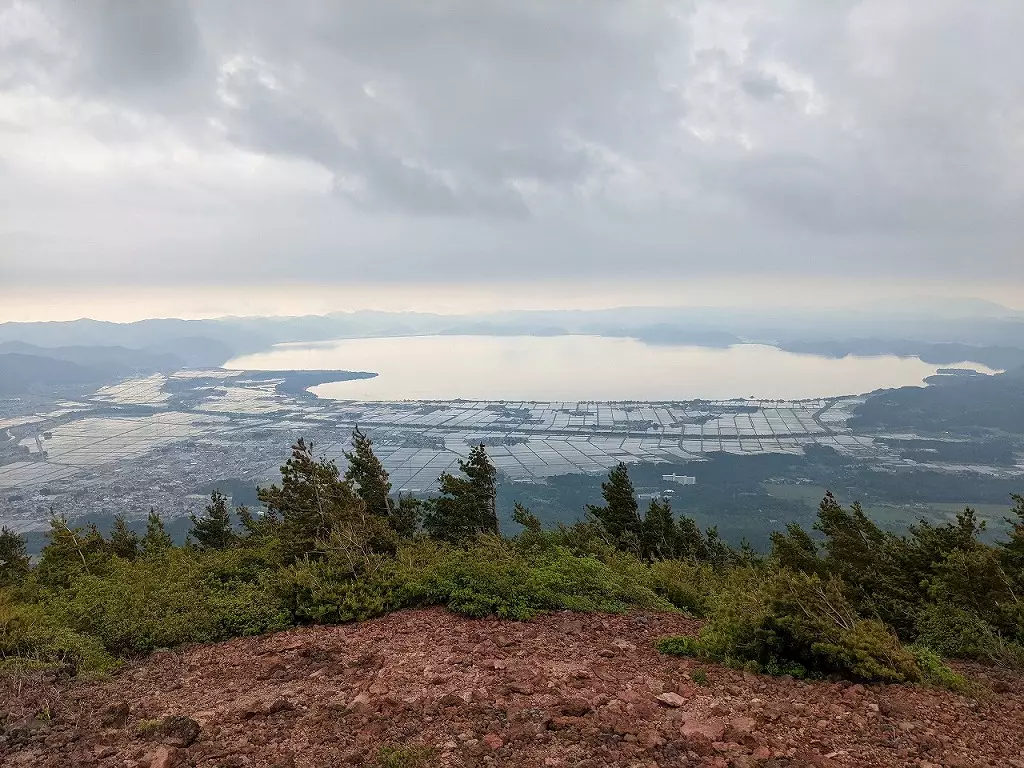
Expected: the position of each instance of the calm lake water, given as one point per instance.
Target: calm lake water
(581, 368)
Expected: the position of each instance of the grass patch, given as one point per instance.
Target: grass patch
(404, 756)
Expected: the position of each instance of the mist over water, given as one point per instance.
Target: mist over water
(582, 368)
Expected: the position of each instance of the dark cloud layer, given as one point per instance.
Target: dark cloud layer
(393, 140)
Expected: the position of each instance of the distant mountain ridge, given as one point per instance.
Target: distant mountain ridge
(19, 373)
(24, 367)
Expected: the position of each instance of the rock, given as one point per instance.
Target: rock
(671, 699)
(279, 705)
(164, 757)
(178, 731)
(359, 702)
(575, 708)
(700, 743)
(741, 731)
(493, 741)
(274, 667)
(450, 700)
(115, 715)
(713, 729)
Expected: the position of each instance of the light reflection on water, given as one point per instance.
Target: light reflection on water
(582, 368)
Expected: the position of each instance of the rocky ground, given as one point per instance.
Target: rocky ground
(429, 688)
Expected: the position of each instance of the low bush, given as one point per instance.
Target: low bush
(691, 587)
(936, 673)
(492, 577)
(321, 592)
(958, 632)
(405, 756)
(783, 622)
(32, 638)
(181, 596)
(495, 577)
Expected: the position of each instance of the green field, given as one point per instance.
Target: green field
(893, 516)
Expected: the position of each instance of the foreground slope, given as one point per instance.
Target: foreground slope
(563, 690)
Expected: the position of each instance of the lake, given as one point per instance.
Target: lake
(581, 368)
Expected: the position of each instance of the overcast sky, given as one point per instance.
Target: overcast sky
(256, 140)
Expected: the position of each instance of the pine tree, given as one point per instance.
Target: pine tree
(483, 479)
(214, 530)
(70, 552)
(406, 516)
(796, 550)
(871, 562)
(659, 532)
(14, 561)
(156, 538)
(524, 517)
(719, 553)
(690, 542)
(124, 542)
(1012, 551)
(368, 475)
(257, 527)
(466, 506)
(312, 500)
(620, 514)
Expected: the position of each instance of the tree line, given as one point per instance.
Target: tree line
(331, 545)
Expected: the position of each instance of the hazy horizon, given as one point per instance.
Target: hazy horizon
(131, 303)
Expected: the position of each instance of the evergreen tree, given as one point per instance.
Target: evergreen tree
(124, 542)
(214, 530)
(156, 538)
(929, 544)
(719, 554)
(312, 500)
(690, 543)
(406, 515)
(70, 552)
(14, 562)
(795, 549)
(257, 527)
(466, 506)
(1012, 551)
(524, 517)
(368, 475)
(871, 562)
(659, 532)
(620, 514)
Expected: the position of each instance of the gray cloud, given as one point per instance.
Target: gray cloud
(396, 140)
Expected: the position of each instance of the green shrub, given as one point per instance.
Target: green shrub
(794, 623)
(404, 756)
(180, 596)
(319, 592)
(936, 673)
(494, 577)
(688, 586)
(32, 638)
(960, 633)
(681, 645)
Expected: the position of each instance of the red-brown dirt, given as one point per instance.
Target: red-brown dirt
(563, 690)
